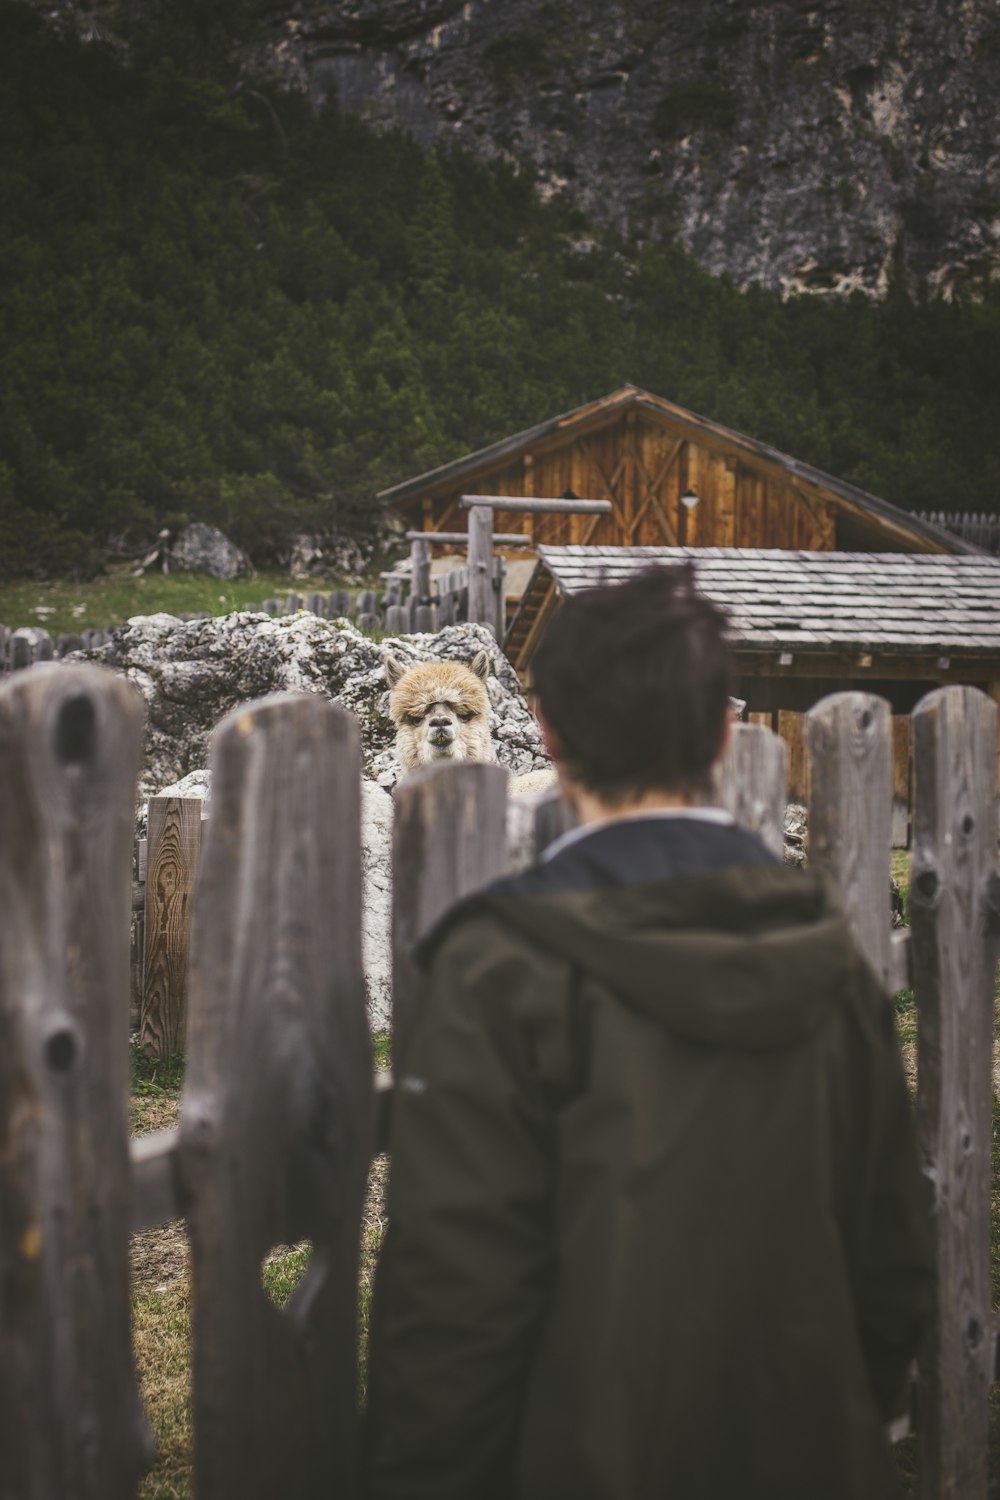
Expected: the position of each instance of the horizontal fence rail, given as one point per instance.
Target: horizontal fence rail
(252, 920)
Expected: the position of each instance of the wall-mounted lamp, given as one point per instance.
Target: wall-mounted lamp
(689, 499)
(785, 659)
(943, 663)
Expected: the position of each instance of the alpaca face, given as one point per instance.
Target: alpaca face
(440, 710)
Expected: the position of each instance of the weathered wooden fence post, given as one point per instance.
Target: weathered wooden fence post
(751, 782)
(849, 736)
(71, 1422)
(276, 1121)
(422, 610)
(173, 840)
(449, 838)
(953, 911)
(482, 608)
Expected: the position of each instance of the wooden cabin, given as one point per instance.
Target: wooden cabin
(673, 479)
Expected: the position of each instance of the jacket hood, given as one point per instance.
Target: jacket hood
(751, 958)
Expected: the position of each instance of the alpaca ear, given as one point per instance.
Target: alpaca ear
(480, 664)
(394, 670)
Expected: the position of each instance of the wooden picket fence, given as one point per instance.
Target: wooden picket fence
(978, 527)
(792, 728)
(279, 1115)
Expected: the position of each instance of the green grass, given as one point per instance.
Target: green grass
(60, 606)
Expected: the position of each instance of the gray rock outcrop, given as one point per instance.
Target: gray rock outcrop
(192, 673)
(803, 145)
(206, 549)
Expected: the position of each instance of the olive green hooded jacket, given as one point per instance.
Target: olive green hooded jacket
(656, 1222)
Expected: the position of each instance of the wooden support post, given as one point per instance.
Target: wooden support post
(850, 739)
(449, 838)
(900, 781)
(791, 728)
(553, 817)
(482, 610)
(751, 782)
(500, 596)
(276, 1120)
(952, 906)
(173, 841)
(71, 1420)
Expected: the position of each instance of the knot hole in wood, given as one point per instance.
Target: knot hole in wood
(75, 730)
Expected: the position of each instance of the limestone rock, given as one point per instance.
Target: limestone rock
(205, 549)
(192, 673)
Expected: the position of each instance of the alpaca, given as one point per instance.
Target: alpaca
(441, 710)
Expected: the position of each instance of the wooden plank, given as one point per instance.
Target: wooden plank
(900, 781)
(276, 1119)
(71, 1420)
(420, 562)
(173, 840)
(765, 720)
(482, 610)
(449, 838)
(552, 816)
(751, 782)
(512, 503)
(461, 538)
(952, 908)
(792, 729)
(849, 739)
(499, 586)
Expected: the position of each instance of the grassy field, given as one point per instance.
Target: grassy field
(60, 606)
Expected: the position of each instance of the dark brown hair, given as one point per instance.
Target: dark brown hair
(634, 680)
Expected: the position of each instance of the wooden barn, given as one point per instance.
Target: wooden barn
(673, 479)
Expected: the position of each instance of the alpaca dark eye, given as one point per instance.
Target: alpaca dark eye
(414, 719)
(465, 714)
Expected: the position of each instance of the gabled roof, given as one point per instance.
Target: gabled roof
(913, 603)
(462, 472)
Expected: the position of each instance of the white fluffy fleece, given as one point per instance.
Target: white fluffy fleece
(441, 711)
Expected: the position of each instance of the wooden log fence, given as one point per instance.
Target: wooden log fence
(278, 1121)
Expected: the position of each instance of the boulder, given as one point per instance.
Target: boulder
(205, 549)
(192, 673)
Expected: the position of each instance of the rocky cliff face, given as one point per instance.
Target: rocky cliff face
(803, 144)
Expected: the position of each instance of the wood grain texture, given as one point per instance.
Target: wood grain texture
(71, 1422)
(449, 839)
(173, 844)
(952, 893)
(850, 743)
(901, 736)
(792, 729)
(482, 610)
(751, 783)
(276, 1119)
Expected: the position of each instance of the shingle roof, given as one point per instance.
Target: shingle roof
(821, 601)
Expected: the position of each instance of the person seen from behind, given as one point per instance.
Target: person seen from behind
(657, 1229)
